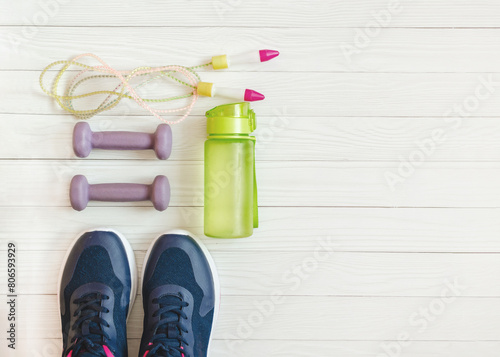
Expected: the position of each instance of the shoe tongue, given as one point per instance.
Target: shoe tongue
(88, 354)
(172, 331)
(170, 300)
(92, 351)
(170, 328)
(92, 354)
(86, 327)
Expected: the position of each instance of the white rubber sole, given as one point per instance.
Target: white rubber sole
(213, 269)
(131, 260)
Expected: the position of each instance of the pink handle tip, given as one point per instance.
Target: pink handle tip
(253, 96)
(266, 55)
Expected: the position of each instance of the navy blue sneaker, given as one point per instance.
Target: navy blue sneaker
(181, 295)
(97, 289)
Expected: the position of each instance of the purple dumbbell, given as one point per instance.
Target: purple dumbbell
(84, 140)
(81, 192)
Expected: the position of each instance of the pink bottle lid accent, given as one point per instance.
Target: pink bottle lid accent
(266, 55)
(253, 96)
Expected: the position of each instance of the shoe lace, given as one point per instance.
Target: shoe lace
(90, 335)
(168, 340)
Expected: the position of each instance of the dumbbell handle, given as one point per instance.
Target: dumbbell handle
(119, 192)
(84, 140)
(80, 192)
(122, 140)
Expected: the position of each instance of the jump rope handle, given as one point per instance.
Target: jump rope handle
(189, 78)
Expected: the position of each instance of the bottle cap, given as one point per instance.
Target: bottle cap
(236, 118)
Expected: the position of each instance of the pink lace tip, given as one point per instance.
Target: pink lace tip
(266, 55)
(253, 96)
(107, 351)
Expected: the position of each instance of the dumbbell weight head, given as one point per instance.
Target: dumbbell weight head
(84, 140)
(160, 193)
(79, 192)
(163, 141)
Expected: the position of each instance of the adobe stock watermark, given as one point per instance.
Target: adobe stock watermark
(292, 278)
(279, 122)
(363, 37)
(222, 7)
(420, 320)
(47, 10)
(49, 348)
(453, 120)
(222, 178)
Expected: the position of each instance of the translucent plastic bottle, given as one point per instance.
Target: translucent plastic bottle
(230, 185)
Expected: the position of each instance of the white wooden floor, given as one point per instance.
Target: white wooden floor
(378, 169)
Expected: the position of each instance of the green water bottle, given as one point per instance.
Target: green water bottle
(230, 184)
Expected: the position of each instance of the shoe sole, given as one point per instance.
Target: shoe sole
(213, 270)
(131, 259)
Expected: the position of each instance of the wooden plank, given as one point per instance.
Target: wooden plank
(323, 272)
(302, 49)
(247, 348)
(340, 318)
(295, 13)
(278, 138)
(306, 94)
(292, 229)
(329, 184)
(348, 122)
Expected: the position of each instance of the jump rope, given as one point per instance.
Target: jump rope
(125, 85)
(187, 77)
